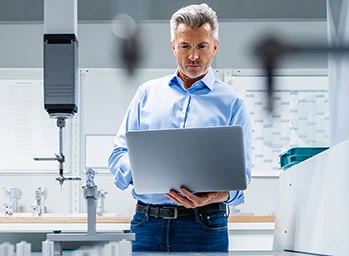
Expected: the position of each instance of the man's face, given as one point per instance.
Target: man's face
(194, 49)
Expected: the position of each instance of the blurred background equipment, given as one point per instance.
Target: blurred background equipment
(40, 198)
(125, 29)
(13, 194)
(125, 26)
(271, 50)
(100, 203)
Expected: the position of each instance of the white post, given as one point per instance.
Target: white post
(338, 65)
(61, 17)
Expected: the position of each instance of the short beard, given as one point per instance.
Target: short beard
(196, 76)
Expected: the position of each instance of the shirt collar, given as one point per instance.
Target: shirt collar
(208, 79)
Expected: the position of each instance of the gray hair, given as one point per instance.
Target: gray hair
(194, 16)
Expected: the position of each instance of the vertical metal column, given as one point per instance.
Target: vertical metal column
(91, 210)
(91, 194)
(338, 65)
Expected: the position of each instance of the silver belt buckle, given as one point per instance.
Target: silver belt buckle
(175, 213)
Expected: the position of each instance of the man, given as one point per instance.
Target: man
(191, 97)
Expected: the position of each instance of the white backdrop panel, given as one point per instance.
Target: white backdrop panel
(26, 131)
(300, 116)
(98, 149)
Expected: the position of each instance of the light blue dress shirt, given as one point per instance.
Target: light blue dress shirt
(165, 103)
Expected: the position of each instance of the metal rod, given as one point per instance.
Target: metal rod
(61, 141)
(61, 124)
(91, 216)
(45, 158)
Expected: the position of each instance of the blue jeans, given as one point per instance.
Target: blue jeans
(205, 232)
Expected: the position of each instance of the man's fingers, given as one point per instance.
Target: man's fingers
(179, 199)
(200, 198)
(188, 194)
(172, 198)
(190, 200)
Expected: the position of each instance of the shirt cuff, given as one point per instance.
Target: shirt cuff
(123, 176)
(235, 198)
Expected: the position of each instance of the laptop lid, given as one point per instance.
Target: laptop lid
(200, 159)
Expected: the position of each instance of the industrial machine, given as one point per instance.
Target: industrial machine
(60, 71)
(61, 103)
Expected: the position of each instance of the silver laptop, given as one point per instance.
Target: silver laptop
(199, 159)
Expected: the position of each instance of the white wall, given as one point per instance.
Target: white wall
(21, 44)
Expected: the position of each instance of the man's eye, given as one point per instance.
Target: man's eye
(203, 46)
(184, 46)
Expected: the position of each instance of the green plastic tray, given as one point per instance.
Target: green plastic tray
(296, 155)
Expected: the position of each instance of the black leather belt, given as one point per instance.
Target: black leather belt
(175, 212)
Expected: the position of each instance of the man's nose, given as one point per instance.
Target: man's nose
(193, 55)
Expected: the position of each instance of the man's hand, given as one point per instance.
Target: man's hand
(190, 200)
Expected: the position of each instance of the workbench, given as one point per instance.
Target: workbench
(246, 233)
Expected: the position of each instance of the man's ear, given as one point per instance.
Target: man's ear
(173, 47)
(215, 47)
